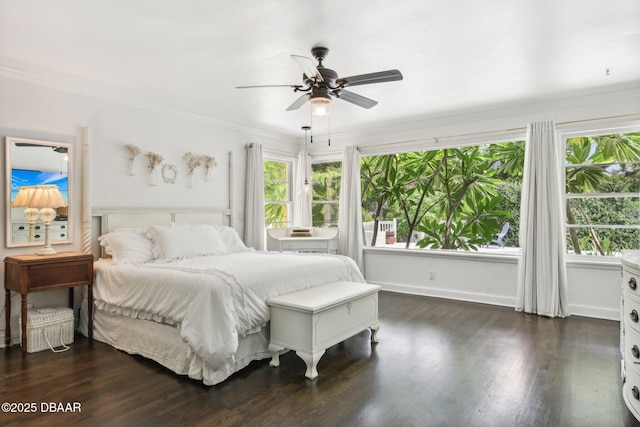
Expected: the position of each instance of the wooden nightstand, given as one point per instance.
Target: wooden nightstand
(34, 273)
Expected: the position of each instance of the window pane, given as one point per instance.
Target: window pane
(276, 182)
(603, 164)
(326, 193)
(326, 180)
(276, 215)
(601, 241)
(604, 211)
(454, 198)
(602, 185)
(276, 193)
(325, 214)
(275, 171)
(607, 178)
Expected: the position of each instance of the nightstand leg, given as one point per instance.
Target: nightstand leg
(7, 317)
(23, 313)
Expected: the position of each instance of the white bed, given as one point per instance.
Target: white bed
(193, 297)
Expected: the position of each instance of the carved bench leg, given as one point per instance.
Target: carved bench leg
(374, 332)
(311, 360)
(275, 355)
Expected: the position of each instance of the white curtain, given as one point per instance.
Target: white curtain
(302, 195)
(254, 227)
(542, 283)
(349, 211)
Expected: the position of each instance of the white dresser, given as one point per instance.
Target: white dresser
(630, 331)
(58, 230)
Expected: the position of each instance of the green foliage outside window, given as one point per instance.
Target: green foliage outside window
(276, 193)
(459, 198)
(326, 193)
(602, 184)
(449, 197)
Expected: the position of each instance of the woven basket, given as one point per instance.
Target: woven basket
(48, 328)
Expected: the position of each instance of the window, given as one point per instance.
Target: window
(602, 193)
(326, 193)
(277, 193)
(453, 198)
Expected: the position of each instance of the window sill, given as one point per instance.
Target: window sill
(506, 255)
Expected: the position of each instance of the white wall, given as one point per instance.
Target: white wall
(594, 287)
(37, 110)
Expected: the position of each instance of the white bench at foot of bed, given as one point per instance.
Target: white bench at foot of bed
(311, 320)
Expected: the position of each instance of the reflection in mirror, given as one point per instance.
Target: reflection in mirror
(30, 163)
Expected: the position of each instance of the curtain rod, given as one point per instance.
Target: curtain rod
(438, 138)
(277, 151)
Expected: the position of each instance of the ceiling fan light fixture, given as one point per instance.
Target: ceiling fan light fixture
(320, 106)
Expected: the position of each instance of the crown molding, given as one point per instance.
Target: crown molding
(104, 95)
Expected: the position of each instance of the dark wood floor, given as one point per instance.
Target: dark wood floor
(438, 363)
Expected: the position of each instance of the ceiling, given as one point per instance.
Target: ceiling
(186, 57)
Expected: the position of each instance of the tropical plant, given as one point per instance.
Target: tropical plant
(375, 172)
(449, 195)
(467, 206)
(276, 190)
(606, 165)
(326, 193)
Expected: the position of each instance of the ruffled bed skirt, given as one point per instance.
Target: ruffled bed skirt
(163, 344)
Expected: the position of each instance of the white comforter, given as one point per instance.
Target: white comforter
(214, 299)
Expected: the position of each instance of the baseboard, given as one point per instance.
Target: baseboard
(448, 294)
(575, 310)
(595, 312)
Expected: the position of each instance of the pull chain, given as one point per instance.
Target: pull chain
(311, 121)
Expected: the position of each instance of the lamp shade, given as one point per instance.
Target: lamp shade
(320, 106)
(23, 196)
(47, 196)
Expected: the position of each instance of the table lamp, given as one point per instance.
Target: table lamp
(46, 198)
(22, 201)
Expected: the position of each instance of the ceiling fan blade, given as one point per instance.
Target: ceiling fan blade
(251, 87)
(365, 79)
(356, 99)
(299, 102)
(307, 66)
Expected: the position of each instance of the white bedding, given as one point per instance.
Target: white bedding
(213, 300)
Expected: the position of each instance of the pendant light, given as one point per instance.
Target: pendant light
(306, 155)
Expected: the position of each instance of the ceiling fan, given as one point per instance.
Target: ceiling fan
(320, 84)
(60, 150)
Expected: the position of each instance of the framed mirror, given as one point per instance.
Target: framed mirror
(30, 163)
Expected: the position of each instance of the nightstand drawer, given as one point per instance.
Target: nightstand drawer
(50, 275)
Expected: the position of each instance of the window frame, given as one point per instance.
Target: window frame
(290, 164)
(335, 202)
(577, 132)
(454, 142)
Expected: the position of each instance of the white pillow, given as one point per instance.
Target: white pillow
(127, 246)
(231, 240)
(179, 241)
